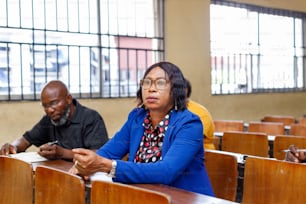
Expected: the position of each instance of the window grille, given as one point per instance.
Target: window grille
(99, 48)
(256, 49)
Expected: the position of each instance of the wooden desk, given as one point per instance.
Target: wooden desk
(240, 160)
(57, 164)
(220, 134)
(270, 142)
(178, 196)
(273, 181)
(286, 127)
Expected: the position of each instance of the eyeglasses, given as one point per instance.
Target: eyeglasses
(160, 83)
(52, 104)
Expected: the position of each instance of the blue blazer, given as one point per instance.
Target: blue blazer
(182, 163)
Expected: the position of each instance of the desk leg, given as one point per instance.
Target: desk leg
(240, 183)
(271, 145)
(87, 195)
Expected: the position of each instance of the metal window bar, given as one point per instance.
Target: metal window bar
(254, 66)
(65, 30)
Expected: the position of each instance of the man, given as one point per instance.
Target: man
(66, 125)
(203, 113)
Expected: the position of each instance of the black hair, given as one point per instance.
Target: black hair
(188, 88)
(177, 82)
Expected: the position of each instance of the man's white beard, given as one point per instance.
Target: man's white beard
(63, 119)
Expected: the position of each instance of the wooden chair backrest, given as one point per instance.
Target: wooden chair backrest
(273, 181)
(16, 181)
(57, 186)
(114, 193)
(270, 128)
(222, 170)
(302, 120)
(298, 129)
(217, 143)
(282, 142)
(249, 143)
(287, 120)
(228, 125)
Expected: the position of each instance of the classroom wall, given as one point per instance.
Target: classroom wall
(187, 45)
(17, 117)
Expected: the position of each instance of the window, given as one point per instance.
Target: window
(97, 47)
(256, 49)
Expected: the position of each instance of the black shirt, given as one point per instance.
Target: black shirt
(86, 129)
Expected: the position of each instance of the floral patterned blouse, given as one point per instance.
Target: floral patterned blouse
(150, 147)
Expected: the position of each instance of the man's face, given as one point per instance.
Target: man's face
(56, 106)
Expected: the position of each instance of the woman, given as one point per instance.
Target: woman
(163, 139)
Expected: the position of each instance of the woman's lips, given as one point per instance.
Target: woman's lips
(151, 99)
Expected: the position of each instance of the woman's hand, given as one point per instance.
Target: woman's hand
(87, 162)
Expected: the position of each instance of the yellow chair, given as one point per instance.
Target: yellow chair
(117, 193)
(16, 181)
(57, 186)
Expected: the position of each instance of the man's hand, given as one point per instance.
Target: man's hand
(51, 151)
(7, 149)
(294, 155)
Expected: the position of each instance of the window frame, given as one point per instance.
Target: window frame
(98, 58)
(230, 61)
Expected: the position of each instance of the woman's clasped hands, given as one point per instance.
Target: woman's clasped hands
(87, 162)
(295, 154)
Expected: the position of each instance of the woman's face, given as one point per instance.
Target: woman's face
(156, 91)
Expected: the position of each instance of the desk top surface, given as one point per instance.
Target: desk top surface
(57, 164)
(178, 196)
(182, 196)
(220, 134)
